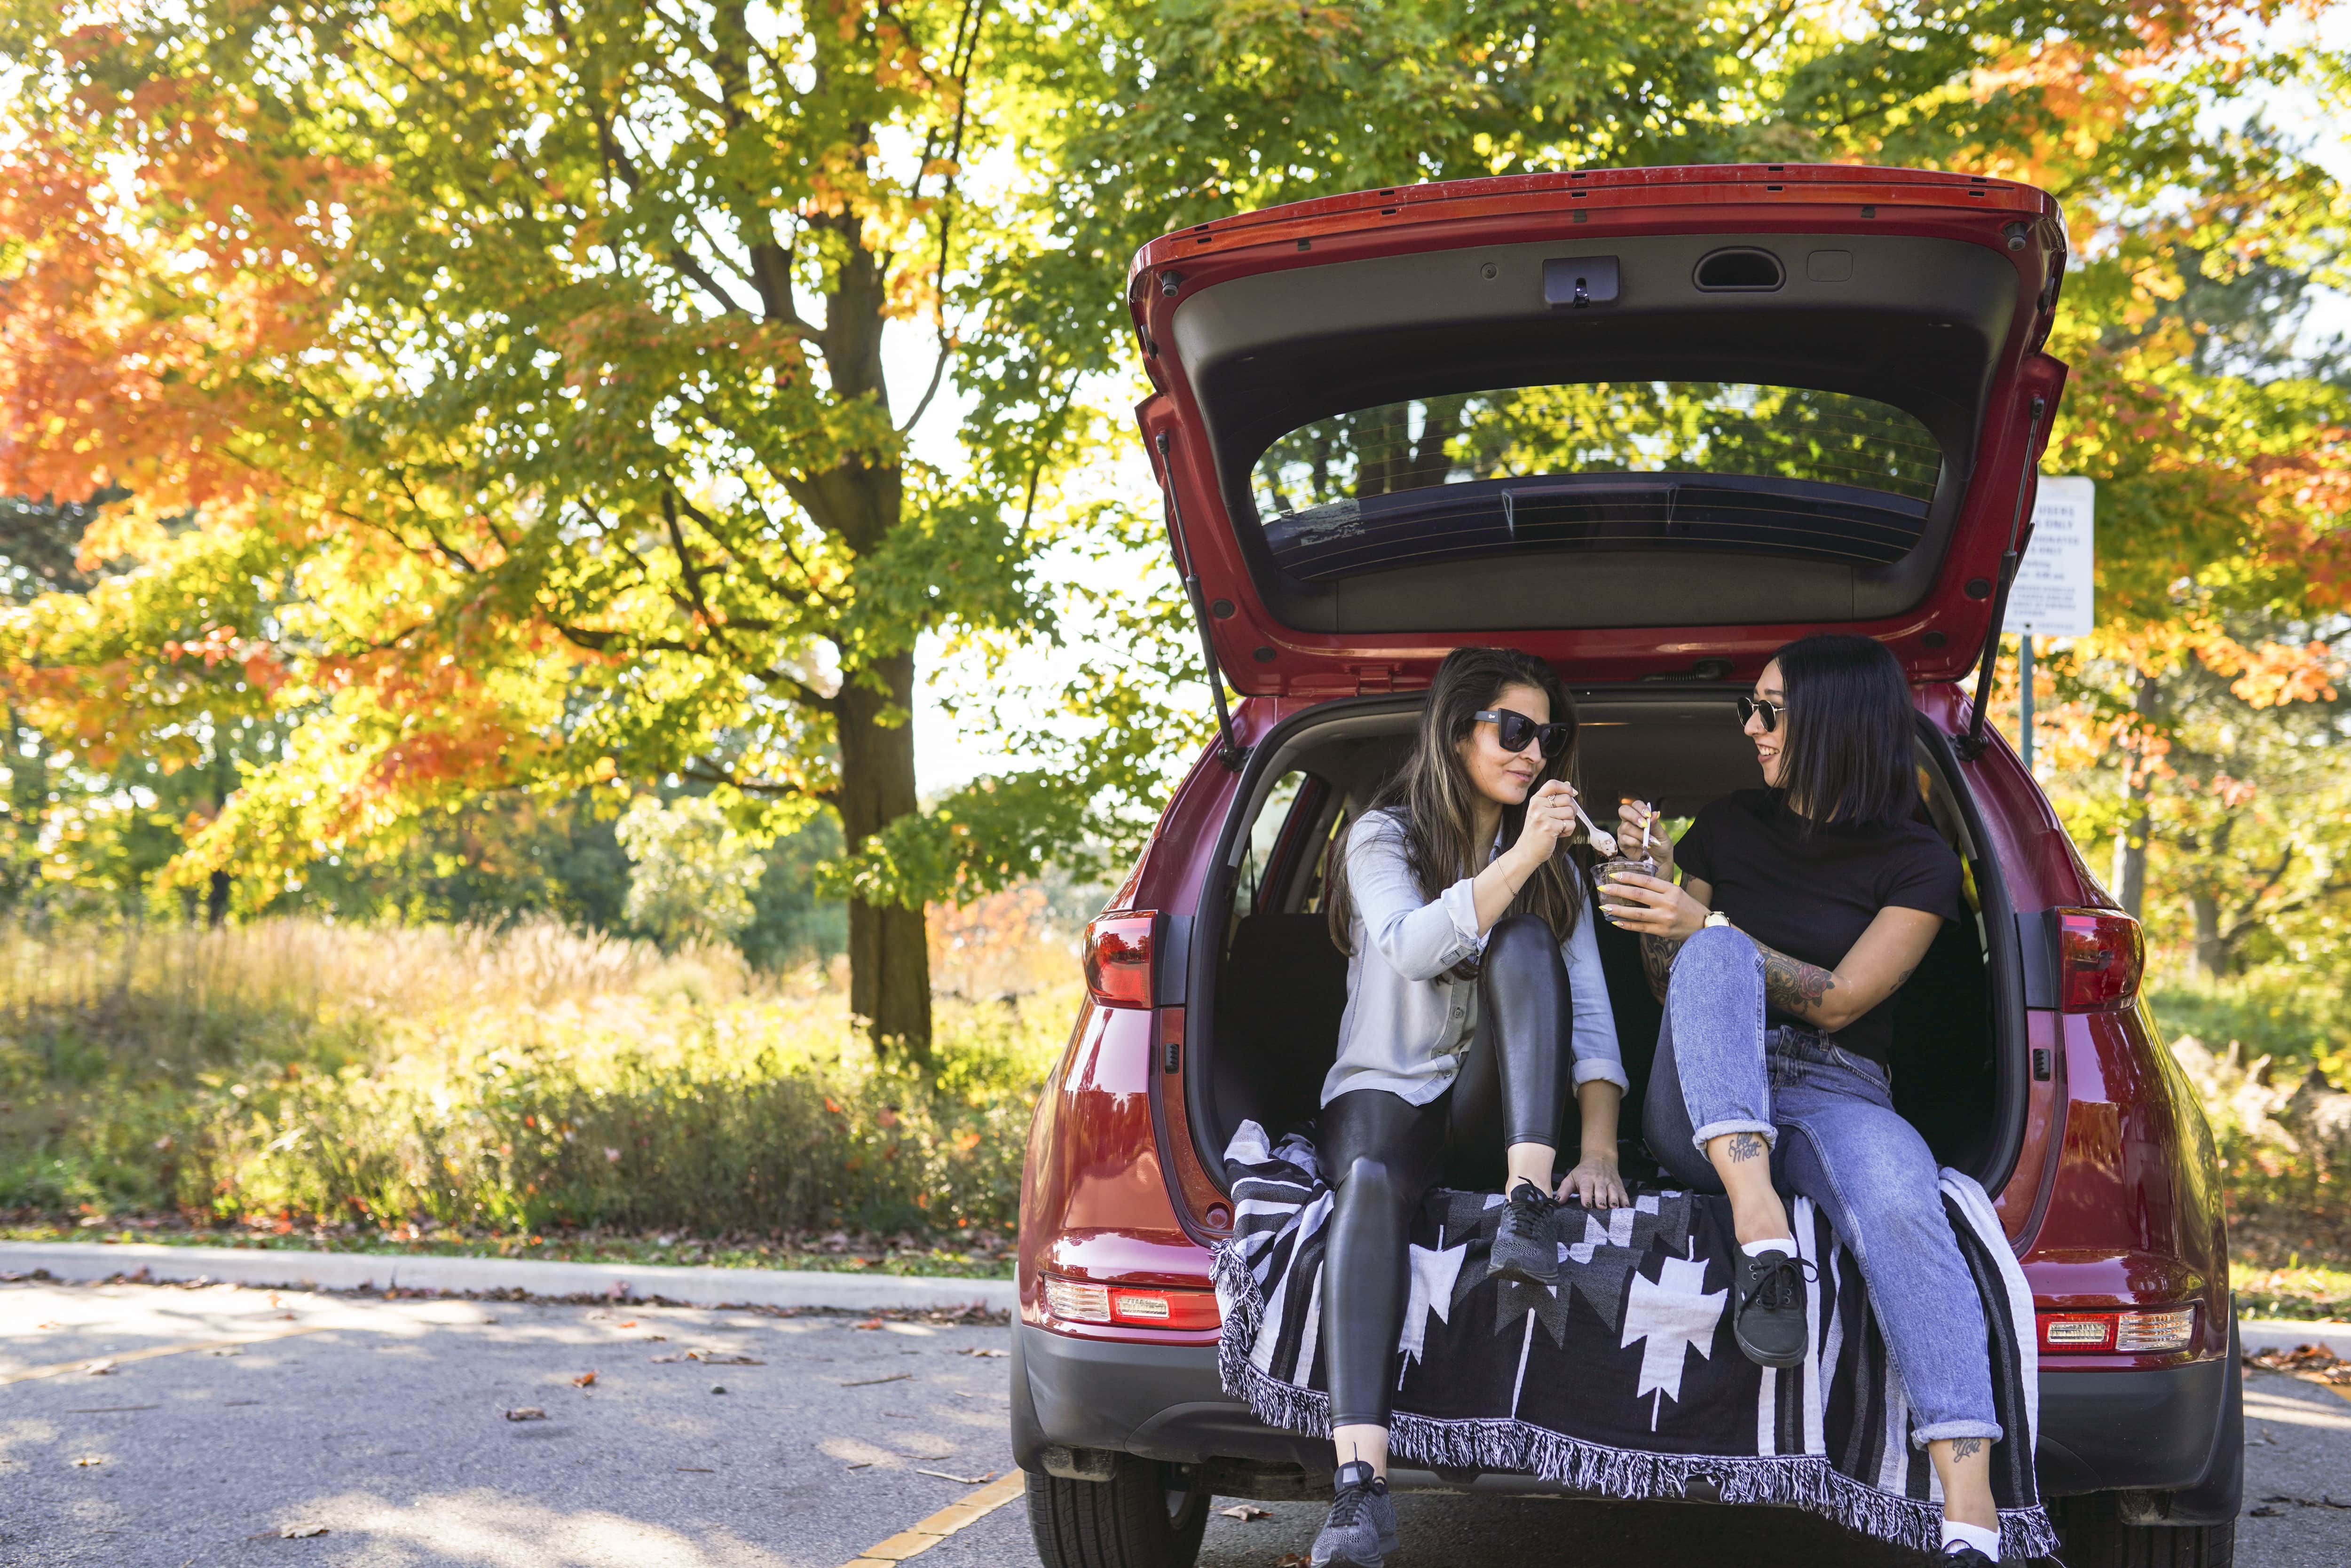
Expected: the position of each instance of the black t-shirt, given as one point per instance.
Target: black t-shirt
(1813, 895)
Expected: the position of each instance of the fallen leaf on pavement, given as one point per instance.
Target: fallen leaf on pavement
(656, 1339)
(978, 1350)
(868, 1324)
(86, 1461)
(1293, 1559)
(710, 1358)
(301, 1531)
(100, 1369)
(585, 1380)
(870, 1382)
(966, 1480)
(527, 1413)
(630, 1324)
(1246, 1512)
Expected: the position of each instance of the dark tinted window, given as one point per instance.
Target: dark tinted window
(1778, 469)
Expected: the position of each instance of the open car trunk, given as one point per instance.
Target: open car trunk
(1635, 421)
(1270, 984)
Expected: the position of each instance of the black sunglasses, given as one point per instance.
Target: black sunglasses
(1515, 729)
(1750, 706)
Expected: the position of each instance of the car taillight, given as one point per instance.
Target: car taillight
(1076, 1301)
(2143, 1332)
(1118, 959)
(2099, 955)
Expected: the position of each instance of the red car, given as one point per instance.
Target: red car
(1648, 424)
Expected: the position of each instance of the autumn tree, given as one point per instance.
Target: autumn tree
(528, 360)
(500, 395)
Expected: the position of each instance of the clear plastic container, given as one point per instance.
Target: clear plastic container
(1638, 865)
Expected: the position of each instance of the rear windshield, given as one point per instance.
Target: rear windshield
(1670, 464)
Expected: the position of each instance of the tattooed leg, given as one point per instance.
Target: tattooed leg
(1964, 1466)
(1743, 1162)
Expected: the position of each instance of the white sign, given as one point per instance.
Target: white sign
(2051, 596)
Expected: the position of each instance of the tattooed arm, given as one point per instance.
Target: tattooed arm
(1888, 952)
(1658, 947)
(1658, 961)
(1886, 955)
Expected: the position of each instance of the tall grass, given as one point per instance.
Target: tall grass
(2268, 1053)
(534, 1079)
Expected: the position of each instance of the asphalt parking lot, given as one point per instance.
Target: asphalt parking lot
(298, 1430)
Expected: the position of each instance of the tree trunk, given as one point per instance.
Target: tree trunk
(2210, 958)
(889, 948)
(2130, 843)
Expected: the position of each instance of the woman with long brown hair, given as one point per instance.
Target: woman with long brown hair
(1473, 999)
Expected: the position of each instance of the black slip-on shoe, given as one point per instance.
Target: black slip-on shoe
(1361, 1527)
(1526, 1246)
(1768, 1312)
(1965, 1557)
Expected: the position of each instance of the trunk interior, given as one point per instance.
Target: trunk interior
(1277, 985)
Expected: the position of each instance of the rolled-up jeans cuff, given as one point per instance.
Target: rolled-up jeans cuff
(1713, 1130)
(1922, 1436)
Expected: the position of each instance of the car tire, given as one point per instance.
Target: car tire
(2095, 1536)
(1147, 1515)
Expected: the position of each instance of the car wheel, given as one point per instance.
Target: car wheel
(1147, 1515)
(2094, 1536)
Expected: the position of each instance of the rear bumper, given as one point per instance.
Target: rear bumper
(1162, 1402)
(2167, 1430)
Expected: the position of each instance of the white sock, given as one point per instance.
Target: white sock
(1984, 1540)
(1769, 1244)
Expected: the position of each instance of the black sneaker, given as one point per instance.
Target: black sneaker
(1768, 1312)
(1965, 1557)
(1361, 1529)
(1526, 1246)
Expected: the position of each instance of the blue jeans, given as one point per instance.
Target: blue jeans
(1844, 1147)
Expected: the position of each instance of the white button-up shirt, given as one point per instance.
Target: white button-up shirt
(1409, 1021)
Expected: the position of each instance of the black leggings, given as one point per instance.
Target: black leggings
(1382, 1154)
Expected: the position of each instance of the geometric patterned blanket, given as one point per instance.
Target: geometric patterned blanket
(1624, 1381)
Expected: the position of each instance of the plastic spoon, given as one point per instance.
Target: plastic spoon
(1603, 842)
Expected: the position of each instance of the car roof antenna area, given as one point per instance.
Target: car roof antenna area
(1229, 751)
(1971, 745)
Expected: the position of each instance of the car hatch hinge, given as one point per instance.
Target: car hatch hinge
(1971, 745)
(1374, 678)
(1230, 751)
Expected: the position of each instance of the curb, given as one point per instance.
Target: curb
(2283, 1334)
(700, 1287)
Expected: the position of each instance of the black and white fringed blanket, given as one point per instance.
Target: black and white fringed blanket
(1624, 1381)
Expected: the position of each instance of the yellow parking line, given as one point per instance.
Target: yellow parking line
(130, 1355)
(917, 1539)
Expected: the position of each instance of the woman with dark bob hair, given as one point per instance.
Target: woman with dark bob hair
(1803, 907)
(1473, 982)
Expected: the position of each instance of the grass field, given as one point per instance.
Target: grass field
(412, 1086)
(544, 1093)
